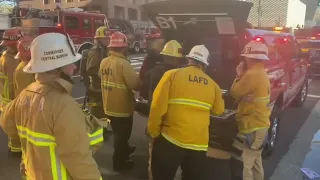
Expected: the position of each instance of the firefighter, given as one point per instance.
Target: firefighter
(8, 65)
(21, 79)
(251, 89)
(152, 58)
(171, 55)
(91, 76)
(46, 117)
(179, 119)
(118, 80)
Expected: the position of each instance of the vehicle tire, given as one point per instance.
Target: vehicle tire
(136, 48)
(301, 96)
(273, 132)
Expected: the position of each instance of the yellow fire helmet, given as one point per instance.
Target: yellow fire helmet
(102, 32)
(172, 48)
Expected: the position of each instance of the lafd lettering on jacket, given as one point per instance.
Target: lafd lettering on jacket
(198, 79)
(106, 72)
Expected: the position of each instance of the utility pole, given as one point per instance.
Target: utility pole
(259, 13)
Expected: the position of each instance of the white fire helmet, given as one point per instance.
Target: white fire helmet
(199, 53)
(256, 50)
(50, 51)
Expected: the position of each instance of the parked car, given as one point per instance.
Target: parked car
(221, 27)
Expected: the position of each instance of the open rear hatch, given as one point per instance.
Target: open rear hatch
(218, 24)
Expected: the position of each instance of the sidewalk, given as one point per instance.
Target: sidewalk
(289, 166)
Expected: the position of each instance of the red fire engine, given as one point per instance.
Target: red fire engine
(80, 25)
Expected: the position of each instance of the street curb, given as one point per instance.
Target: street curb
(289, 166)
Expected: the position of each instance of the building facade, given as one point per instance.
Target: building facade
(271, 13)
(120, 9)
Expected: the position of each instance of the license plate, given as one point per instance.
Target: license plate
(227, 113)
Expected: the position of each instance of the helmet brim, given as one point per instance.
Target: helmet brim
(171, 55)
(261, 57)
(196, 59)
(42, 69)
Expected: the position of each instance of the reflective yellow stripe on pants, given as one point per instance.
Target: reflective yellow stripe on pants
(59, 172)
(96, 137)
(194, 103)
(13, 148)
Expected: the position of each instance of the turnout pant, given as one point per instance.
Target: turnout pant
(167, 157)
(121, 128)
(251, 157)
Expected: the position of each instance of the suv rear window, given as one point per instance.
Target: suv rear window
(309, 45)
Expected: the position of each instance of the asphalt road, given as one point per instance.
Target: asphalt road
(291, 123)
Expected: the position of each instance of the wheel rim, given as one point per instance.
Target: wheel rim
(303, 93)
(274, 131)
(137, 48)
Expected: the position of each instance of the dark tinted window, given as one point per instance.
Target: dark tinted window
(71, 22)
(310, 45)
(98, 23)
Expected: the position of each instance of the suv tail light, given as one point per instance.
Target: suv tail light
(259, 39)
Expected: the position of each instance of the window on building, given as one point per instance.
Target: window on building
(144, 16)
(134, 2)
(86, 23)
(70, 0)
(46, 1)
(146, 1)
(71, 22)
(57, 1)
(132, 14)
(119, 12)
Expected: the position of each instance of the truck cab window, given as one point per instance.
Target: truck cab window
(86, 23)
(71, 22)
(98, 23)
